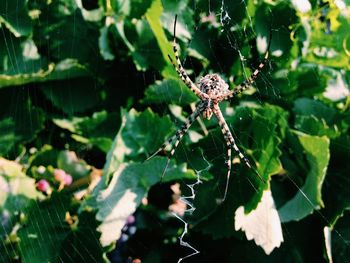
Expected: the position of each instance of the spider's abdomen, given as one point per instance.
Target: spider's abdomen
(213, 85)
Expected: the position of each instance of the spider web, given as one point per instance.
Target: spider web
(49, 222)
(227, 25)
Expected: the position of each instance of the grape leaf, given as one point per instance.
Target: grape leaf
(311, 125)
(139, 134)
(42, 236)
(82, 244)
(308, 197)
(153, 15)
(128, 186)
(7, 135)
(169, 91)
(305, 106)
(98, 130)
(258, 128)
(261, 224)
(9, 13)
(70, 163)
(335, 192)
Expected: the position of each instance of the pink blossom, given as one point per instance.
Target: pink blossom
(130, 220)
(59, 175)
(68, 179)
(43, 185)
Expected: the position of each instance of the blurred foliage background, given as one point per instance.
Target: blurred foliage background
(87, 93)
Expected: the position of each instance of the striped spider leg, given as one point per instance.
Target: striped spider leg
(211, 90)
(176, 138)
(251, 80)
(230, 142)
(181, 71)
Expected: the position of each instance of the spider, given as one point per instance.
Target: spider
(211, 90)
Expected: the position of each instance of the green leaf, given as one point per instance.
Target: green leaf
(64, 40)
(144, 131)
(28, 119)
(169, 91)
(267, 128)
(269, 16)
(326, 49)
(41, 238)
(7, 135)
(82, 244)
(46, 156)
(129, 185)
(10, 12)
(308, 197)
(139, 8)
(259, 129)
(184, 24)
(314, 126)
(335, 192)
(16, 188)
(340, 238)
(69, 162)
(64, 69)
(146, 52)
(119, 7)
(304, 106)
(18, 182)
(20, 63)
(17, 193)
(98, 130)
(140, 134)
(153, 15)
(104, 45)
(308, 80)
(66, 94)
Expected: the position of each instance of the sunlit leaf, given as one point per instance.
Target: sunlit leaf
(262, 224)
(60, 71)
(153, 17)
(75, 79)
(128, 186)
(139, 134)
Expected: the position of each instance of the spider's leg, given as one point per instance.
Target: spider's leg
(181, 71)
(178, 135)
(228, 135)
(230, 141)
(245, 84)
(250, 81)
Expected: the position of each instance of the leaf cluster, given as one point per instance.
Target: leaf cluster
(86, 88)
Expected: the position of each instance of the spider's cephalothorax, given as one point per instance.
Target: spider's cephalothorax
(211, 90)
